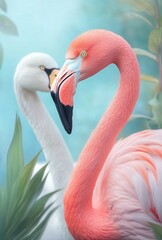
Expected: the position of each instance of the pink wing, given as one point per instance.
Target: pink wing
(130, 183)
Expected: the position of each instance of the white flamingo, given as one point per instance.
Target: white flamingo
(36, 72)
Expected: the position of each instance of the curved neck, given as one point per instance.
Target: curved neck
(78, 196)
(52, 143)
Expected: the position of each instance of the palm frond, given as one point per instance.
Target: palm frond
(23, 213)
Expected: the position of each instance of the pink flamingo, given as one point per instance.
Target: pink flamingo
(116, 188)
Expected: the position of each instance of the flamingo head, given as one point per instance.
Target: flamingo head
(85, 57)
(36, 72)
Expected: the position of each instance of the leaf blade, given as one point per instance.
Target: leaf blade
(142, 52)
(157, 231)
(7, 26)
(149, 78)
(19, 188)
(15, 158)
(141, 6)
(133, 15)
(23, 213)
(3, 5)
(155, 40)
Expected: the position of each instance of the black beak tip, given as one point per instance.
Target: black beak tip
(65, 112)
(69, 130)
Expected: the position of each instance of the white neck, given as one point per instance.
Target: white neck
(51, 141)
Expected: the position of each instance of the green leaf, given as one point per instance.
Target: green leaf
(7, 26)
(141, 52)
(23, 213)
(160, 21)
(34, 216)
(1, 55)
(133, 15)
(2, 211)
(19, 188)
(15, 158)
(38, 208)
(136, 116)
(142, 6)
(149, 78)
(157, 231)
(156, 105)
(31, 210)
(38, 231)
(155, 40)
(3, 5)
(28, 197)
(150, 122)
(36, 184)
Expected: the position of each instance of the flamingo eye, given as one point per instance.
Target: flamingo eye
(42, 67)
(83, 54)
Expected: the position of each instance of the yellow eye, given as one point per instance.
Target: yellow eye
(83, 54)
(42, 67)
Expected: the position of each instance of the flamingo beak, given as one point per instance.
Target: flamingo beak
(65, 111)
(63, 90)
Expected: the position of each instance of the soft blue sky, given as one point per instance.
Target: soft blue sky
(49, 26)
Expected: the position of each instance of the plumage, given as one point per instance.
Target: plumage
(115, 189)
(130, 183)
(35, 72)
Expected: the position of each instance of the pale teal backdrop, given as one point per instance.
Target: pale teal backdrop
(49, 26)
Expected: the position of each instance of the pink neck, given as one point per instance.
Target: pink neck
(78, 197)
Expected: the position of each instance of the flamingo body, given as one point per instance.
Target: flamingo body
(130, 184)
(115, 189)
(35, 72)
